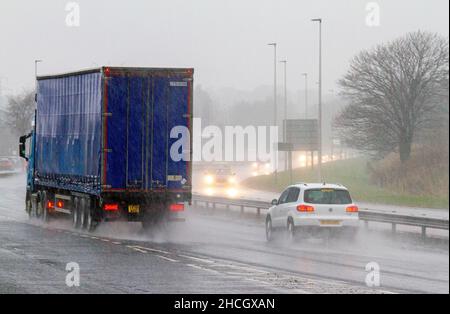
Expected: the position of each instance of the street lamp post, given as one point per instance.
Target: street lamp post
(319, 20)
(275, 109)
(35, 78)
(285, 112)
(306, 94)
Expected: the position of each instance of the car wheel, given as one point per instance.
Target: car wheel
(269, 229)
(290, 230)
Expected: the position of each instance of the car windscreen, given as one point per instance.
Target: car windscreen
(223, 172)
(327, 196)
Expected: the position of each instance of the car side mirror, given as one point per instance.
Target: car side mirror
(22, 148)
(275, 202)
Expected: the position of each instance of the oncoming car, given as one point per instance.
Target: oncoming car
(259, 168)
(220, 177)
(312, 206)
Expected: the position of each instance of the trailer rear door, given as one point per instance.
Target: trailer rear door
(141, 111)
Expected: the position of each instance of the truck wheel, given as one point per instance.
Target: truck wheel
(40, 205)
(82, 212)
(89, 219)
(28, 204)
(44, 209)
(147, 224)
(76, 212)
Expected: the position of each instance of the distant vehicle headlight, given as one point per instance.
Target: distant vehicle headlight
(232, 192)
(209, 179)
(231, 180)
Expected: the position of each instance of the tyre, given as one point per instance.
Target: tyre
(147, 224)
(44, 213)
(40, 208)
(28, 204)
(76, 213)
(290, 230)
(269, 229)
(82, 212)
(89, 216)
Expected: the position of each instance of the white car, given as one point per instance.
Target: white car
(311, 206)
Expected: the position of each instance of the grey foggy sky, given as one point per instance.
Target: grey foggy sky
(225, 41)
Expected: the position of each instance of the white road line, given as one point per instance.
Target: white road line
(166, 258)
(249, 269)
(117, 243)
(105, 240)
(202, 268)
(197, 259)
(149, 249)
(140, 251)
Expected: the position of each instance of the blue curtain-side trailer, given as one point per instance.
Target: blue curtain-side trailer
(111, 143)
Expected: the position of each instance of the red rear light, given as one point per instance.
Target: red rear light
(59, 204)
(352, 209)
(50, 205)
(305, 208)
(111, 207)
(176, 207)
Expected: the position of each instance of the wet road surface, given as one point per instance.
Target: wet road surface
(209, 253)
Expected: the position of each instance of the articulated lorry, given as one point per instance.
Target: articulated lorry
(111, 143)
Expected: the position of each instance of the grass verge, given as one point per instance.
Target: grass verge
(354, 175)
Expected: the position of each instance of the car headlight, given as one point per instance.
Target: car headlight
(232, 192)
(209, 179)
(231, 180)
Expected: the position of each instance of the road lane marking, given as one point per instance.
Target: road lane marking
(202, 268)
(197, 259)
(168, 259)
(148, 249)
(139, 250)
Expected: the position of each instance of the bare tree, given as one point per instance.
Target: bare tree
(20, 112)
(394, 90)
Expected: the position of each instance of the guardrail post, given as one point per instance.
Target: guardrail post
(214, 205)
(206, 205)
(424, 232)
(394, 228)
(195, 203)
(258, 211)
(227, 206)
(242, 209)
(366, 224)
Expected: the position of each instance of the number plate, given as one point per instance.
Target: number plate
(133, 209)
(330, 222)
